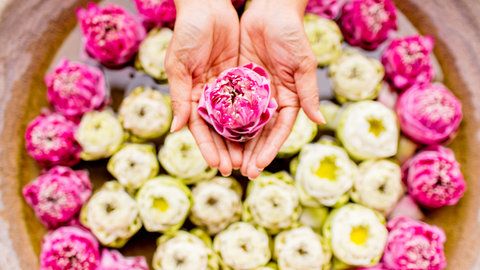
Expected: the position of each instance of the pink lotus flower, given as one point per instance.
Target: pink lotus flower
(368, 23)
(69, 248)
(407, 61)
(157, 13)
(328, 9)
(74, 88)
(57, 195)
(412, 244)
(406, 207)
(238, 103)
(429, 114)
(49, 139)
(114, 260)
(433, 177)
(110, 34)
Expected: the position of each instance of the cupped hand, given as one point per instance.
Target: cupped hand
(272, 36)
(205, 42)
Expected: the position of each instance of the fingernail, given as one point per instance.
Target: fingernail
(251, 178)
(236, 168)
(173, 127)
(321, 118)
(260, 170)
(227, 174)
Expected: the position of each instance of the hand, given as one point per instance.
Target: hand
(272, 36)
(205, 43)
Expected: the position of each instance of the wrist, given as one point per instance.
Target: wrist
(179, 4)
(296, 5)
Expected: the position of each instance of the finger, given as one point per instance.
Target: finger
(277, 136)
(247, 153)
(252, 170)
(203, 137)
(306, 85)
(236, 153)
(225, 166)
(180, 83)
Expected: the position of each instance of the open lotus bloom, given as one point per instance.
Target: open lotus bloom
(152, 52)
(324, 175)
(133, 165)
(74, 88)
(328, 9)
(184, 250)
(378, 185)
(58, 195)
(302, 249)
(69, 247)
(303, 132)
(407, 61)
(357, 236)
(114, 260)
(146, 113)
(413, 244)
(356, 77)
(50, 140)
(112, 215)
(433, 177)
(272, 202)
(216, 204)
(238, 103)
(325, 38)
(242, 246)
(368, 130)
(181, 157)
(368, 23)
(429, 114)
(164, 203)
(111, 35)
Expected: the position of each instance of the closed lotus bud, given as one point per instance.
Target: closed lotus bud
(303, 132)
(216, 204)
(239, 103)
(111, 35)
(357, 236)
(314, 217)
(407, 61)
(325, 38)
(407, 207)
(433, 177)
(157, 12)
(152, 52)
(356, 77)
(242, 246)
(58, 195)
(100, 134)
(328, 9)
(324, 175)
(429, 114)
(302, 249)
(133, 165)
(112, 215)
(331, 112)
(368, 23)
(114, 260)
(368, 130)
(164, 203)
(50, 140)
(181, 157)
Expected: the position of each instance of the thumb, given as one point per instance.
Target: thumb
(180, 83)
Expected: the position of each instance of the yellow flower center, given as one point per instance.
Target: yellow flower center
(160, 204)
(376, 126)
(327, 169)
(359, 235)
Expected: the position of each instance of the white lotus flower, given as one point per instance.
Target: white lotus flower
(152, 52)
(325, 38)
(303, 132)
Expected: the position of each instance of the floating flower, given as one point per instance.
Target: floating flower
(324, 175)
(114, 260)
(303, 132)
(152, 52)
(357, 235)
(112, 215)
(378, 185)
(74, 88)
(216, 204)
(183, 250)
(433, 177)
(272, 202)
(157, 12)
(50, 140)
(356, 77)
(100, 134)
(413, 244)
(314, 217)
(133, 165)
(181, 157)
(368, 130)
(164, 203)
(325, 38)
(58, 195)
(243, 246)
(238, 104)
(407, 61)
(69, 248)
(429, 114)
(328, 9)
(301, 249)
(111, 35)
(368, 23)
